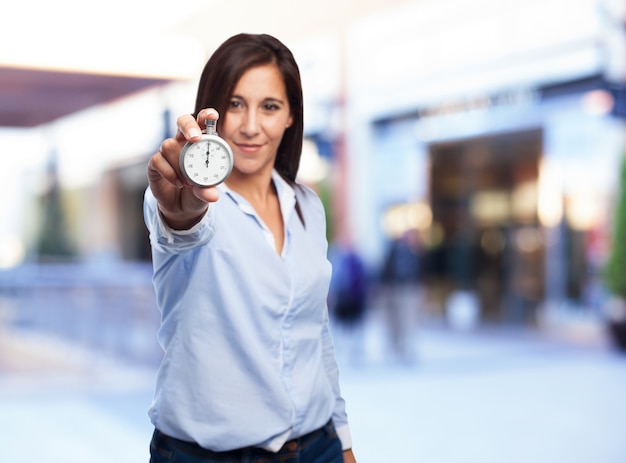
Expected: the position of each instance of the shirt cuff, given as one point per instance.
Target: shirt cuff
(168, 233)
(343, 432)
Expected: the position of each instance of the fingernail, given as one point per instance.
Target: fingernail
(194, 133)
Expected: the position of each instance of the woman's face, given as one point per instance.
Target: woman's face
(257, 116)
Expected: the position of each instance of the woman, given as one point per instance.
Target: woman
(248, 372)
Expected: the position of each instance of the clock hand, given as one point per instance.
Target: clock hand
(207, 155)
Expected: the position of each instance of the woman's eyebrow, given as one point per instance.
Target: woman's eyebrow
(275, 100)
(265, 100)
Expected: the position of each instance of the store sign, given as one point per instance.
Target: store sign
(481, 102)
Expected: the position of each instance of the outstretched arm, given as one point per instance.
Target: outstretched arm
(181, 204)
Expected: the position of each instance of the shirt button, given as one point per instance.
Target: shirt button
(292, 445)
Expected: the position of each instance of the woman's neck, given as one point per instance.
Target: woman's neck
(257, 189)
(261, 193)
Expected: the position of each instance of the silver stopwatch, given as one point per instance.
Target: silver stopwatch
(209, 161)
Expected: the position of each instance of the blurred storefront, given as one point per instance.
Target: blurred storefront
(499, 121)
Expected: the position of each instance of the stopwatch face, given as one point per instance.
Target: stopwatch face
(207, 162)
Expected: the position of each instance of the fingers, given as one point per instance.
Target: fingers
(164, 164)
(207, 113)
(190, 129)
(206, 194)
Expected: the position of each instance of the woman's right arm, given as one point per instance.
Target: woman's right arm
(180, 204)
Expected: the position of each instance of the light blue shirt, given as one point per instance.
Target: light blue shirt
(248, 357)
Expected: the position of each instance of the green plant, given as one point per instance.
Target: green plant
(615, 275)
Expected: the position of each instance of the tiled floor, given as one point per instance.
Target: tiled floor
(493, 397)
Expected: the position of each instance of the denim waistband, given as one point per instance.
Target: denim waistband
(192, 448)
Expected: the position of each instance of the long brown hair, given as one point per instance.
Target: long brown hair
(226, 66)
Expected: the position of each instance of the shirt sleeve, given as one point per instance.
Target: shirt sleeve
(340, 417)
(171, 241)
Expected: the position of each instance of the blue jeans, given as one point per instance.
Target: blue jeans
(321, 446)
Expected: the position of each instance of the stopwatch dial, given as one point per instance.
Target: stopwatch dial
(206, 163)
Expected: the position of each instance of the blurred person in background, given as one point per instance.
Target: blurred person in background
(401, 293)
(347, 299)
(241, 275)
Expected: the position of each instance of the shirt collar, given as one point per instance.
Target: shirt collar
(286, 196)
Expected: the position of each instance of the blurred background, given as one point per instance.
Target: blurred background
(471, 159)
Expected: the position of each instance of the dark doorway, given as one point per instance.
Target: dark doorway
(483, 194)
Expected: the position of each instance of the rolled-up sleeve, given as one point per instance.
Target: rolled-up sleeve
(170, 241)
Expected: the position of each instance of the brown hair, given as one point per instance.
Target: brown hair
(226, 66)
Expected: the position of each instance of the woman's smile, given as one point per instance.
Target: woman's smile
(248, 148)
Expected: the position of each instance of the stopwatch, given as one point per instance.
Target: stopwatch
(209, 161)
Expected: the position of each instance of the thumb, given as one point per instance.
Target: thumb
(206, 194)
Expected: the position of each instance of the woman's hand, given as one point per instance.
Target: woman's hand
(348, 456)
(182, 205)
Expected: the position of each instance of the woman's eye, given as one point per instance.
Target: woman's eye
(235, 104)
(271, 107)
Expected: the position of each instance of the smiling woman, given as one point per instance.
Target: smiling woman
(253, 254)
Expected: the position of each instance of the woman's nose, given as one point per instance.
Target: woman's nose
(250, 123)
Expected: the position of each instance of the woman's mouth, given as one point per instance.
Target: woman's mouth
(248, 148)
